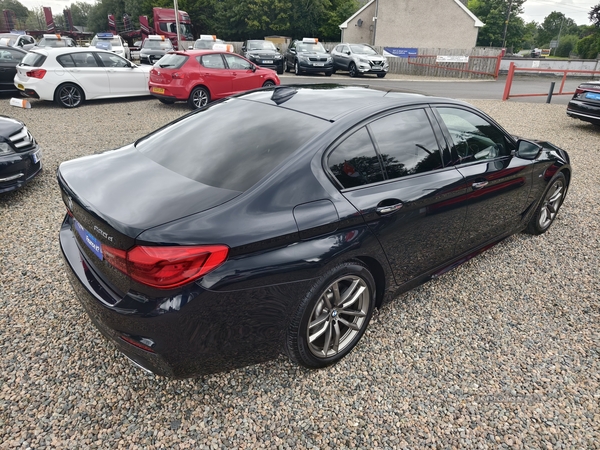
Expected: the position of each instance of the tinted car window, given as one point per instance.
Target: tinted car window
(406, 143)
(473, 137)
(212, 61)
(112, 60)
(33, 60)
(11, 55)
(354, 162)
(235, 156)
(172, 61)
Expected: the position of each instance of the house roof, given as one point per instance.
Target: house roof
(478, 23)
(345, 24)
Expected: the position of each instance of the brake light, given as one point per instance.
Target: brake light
(177, 76)
(166, 267)
(37, 73)
(579, 91)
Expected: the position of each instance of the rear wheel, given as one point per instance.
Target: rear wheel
(352, 70)
(548, 208)
(199, 97)
(332, 317)
(69, 95)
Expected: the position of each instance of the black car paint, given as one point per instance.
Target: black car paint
(284, 233)
(20, 161)
(8, 68)
(259, 57)
(585, 109)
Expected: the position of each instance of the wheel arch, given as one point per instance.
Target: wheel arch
(74, 84)
(378, 273)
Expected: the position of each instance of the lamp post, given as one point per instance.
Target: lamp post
(175, 6)
(506, 24)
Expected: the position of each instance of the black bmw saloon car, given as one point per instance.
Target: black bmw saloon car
(205, 246)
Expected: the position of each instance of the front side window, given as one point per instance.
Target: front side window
(473, 137)
(354, 162)
(236, 63)
(406, 143)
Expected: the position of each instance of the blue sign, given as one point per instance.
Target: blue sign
(90, 241)
(103, 45)
(400, 52)
(105, 35)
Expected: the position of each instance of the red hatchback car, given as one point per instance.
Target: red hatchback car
(200, 76)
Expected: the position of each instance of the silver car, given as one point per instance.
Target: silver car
(358, 59)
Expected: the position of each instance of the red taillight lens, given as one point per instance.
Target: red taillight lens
(177, 76)
(37, 73)
(166, 267)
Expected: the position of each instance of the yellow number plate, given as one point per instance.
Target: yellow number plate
(158, 90)
(21, 87)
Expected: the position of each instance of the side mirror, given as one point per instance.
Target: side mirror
(348, 53)
(278, 49)
(527, 149)
(190, 47)
(253, 68)
(327, 50)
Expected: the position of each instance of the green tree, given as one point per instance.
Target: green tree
(594, 15)
(80, 12)
(567, 45)
(554, 24)
(340, 10)
(493, 14)
(588, 47)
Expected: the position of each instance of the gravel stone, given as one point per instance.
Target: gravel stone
(501, 352)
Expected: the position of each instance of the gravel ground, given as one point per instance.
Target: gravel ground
(502, 352)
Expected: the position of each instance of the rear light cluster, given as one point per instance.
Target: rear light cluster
(178, 76)
(37, 73)
(166, 267)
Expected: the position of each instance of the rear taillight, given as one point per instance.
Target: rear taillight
(579, 91)
(177, 76)
(166, 267)
(37, 73)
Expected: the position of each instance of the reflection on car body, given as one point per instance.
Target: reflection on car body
(281, 234)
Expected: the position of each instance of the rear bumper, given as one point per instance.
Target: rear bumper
(192, 332)
(586, 111)
(19, 168)
(172, 93)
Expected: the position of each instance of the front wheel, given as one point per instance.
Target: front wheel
(297, 68)
(328, 74)
(69, 96)
(268, 83)
(199, 98)
(380, 75)
(332, 317)
(287, 67)
(352, 70)
(550, 204)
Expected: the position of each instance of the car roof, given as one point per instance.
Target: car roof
(332, 101)
(48, 51)
(198, 52)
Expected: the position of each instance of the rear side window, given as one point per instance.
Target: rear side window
(354, 162)
(213, 61)
(231, 145)
(406, 143)
(172, 61)
(33, 60)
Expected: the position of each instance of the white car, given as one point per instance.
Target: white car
(69, 76)
(112, 43)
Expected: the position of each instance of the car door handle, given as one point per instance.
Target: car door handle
(479, 184)
(388, 209)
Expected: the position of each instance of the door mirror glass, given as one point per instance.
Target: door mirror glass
(528, 149)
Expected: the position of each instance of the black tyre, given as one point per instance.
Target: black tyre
(280, 70)
(334, 70)
(199, 97)
(328, 74)
(352, 70)
(332, 317)
(69, 95)
(380, 75)
(548, 208)
(297, 68)
(287, 67)
(165, 101)
(268, 83)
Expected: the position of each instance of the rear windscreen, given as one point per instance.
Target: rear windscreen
(231, 145)
(33, 60)
(172, 61)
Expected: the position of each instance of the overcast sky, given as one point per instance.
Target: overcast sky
(534, 9)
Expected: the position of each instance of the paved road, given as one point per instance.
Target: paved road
(463, 89)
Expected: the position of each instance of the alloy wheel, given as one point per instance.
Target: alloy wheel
(551, 204)
(70, 96)
(338, 316)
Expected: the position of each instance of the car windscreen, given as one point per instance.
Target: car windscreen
(56, 43)
(231, 145)
(33, 59)
(261, 45)
(363, 50)
(304, 47)
(172, 61)
(157, 45)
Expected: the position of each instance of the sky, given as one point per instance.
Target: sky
(577, 10)
(534, 10)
